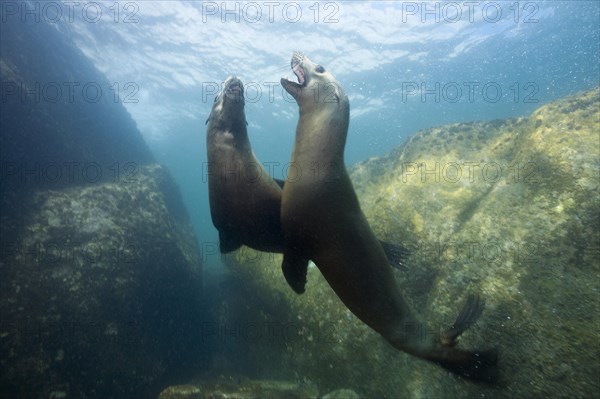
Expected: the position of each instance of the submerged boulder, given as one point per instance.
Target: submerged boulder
(101, 288)
(231, 387)
(507, 209)
(99, 268)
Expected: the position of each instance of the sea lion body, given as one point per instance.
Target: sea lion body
(244, 200)
(321, 216)
(322, 221)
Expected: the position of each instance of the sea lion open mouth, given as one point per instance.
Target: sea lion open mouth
(297, 68)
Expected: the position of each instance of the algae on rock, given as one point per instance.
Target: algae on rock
(229, 387)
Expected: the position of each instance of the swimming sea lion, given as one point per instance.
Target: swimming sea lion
(322, 221)
(244, 200)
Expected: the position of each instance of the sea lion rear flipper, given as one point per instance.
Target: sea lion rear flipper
(294, 270)
(475, 365)
(478, 366)
(468, 315)
(280, 183)
(396, 255)
(228, 242)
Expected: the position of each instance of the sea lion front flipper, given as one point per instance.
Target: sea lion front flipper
(228, 242)
(280, 183)
(396, 255)
(294, 270)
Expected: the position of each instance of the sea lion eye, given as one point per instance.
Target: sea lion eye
(320, 69)
(216, 98)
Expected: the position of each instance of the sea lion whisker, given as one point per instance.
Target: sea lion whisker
(284, 67)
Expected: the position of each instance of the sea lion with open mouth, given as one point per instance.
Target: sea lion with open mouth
(322, 221)
(245, 201)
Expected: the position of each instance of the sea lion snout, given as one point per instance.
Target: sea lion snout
(315, 84)
(228, 107)
(233, 88)
(297, 58)
(295, 89)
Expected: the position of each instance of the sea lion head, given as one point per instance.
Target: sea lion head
(316, 87)
(229, 104)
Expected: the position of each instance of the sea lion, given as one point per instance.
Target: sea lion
(244, 200)
(322, 221)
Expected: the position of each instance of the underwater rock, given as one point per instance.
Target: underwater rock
(507, 209)
(99, 271)
(228, 387)
(101, 289)
(342, 394)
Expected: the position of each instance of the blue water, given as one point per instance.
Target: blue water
(403, 66)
